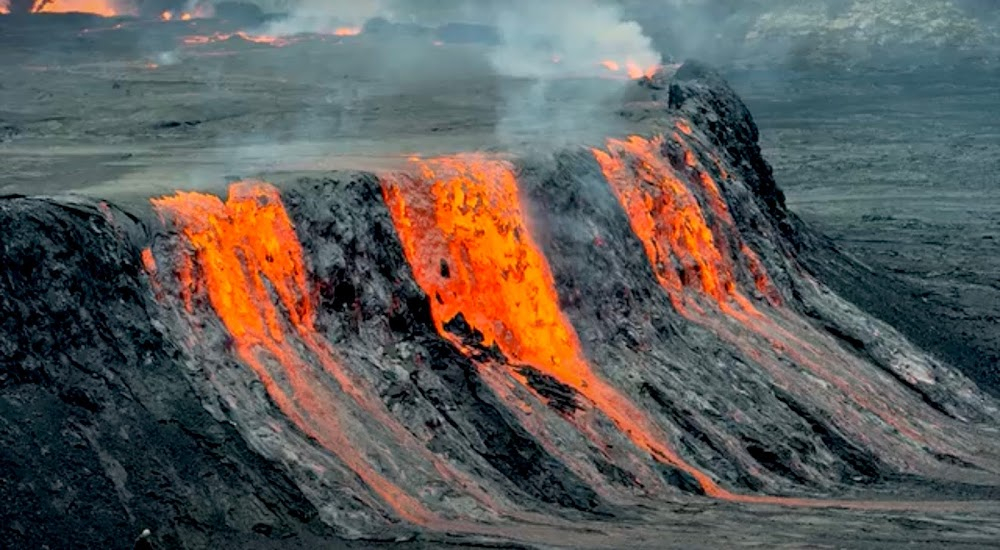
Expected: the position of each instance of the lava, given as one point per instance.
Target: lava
(346, 31)
(632, 69)
(466, 236)
(241, 252)
(693, 260)
(106, 8)
(667, 217)
(200, 40)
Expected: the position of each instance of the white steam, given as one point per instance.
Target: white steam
(570, 38)
(328, 16)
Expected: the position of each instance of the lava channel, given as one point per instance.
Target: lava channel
(465, 234)
(243, 250)
(693, 260)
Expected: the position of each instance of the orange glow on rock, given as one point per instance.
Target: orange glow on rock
(467, 238)
(245, 255)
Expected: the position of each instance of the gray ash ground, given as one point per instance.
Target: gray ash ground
(900, 168)
(121, 412)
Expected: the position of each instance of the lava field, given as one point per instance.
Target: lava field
(627, 343)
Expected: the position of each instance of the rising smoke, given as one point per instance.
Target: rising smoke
(542, 45)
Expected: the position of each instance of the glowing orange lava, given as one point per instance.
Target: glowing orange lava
(611, 65)
(106, 8)
(686, 253)
(633, 70)
(671, 224)
(466, 236)
(347, 31)
(200, 40)
(166, 16)
(245, 255)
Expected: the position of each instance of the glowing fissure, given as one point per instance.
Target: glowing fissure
(466, 236)
(242, 251)
(687, 254)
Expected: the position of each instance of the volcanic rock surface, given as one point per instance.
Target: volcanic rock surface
(606, 345)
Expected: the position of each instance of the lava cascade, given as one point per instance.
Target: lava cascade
(688, 244)
(669, 220)
(240, 252)
(466, 236)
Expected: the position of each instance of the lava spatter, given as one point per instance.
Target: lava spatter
(466, 236)
(241, 252)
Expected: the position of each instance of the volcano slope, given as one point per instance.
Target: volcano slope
(606, 346)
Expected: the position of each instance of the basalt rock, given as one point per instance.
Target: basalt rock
(469, 348)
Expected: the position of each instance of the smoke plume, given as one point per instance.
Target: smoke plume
(569, 38)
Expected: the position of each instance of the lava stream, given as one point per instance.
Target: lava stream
(686, 253)
(243, 250)
(466, 236)
(106, 8)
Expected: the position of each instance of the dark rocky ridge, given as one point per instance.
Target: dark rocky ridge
(164, 428)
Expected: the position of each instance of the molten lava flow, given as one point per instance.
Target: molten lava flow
(466, 236)
(611, 65)
(667, 218)
(106, 8)
(633, 70)
(347, 31)
(686, 253)
(246, 256)
(200, 40)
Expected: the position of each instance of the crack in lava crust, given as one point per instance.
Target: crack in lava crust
(467, 239)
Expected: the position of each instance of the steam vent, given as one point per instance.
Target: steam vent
(628, 344)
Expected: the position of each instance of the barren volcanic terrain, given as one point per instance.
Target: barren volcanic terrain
(393, 286)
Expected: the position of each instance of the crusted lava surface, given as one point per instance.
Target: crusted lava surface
(606, 346)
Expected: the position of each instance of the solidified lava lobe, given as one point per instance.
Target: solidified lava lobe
(464, 212)
(241, 252)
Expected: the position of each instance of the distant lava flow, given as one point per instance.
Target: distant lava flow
(240, 252)
(466, 236)
(199, 40)
(107, 8)
(632, 69)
